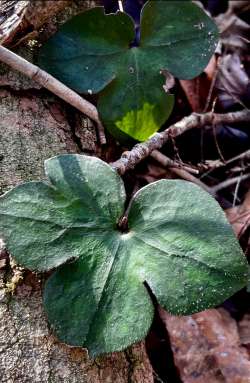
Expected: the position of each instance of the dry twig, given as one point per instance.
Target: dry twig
(166, 162)
(55, 86)
(139, 152)
(242, 156)
(229, 182)
(189, 177)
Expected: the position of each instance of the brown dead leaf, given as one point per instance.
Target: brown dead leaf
(197, 89)
(244, 330)
(206, 347)
(234, 32)
(239, 216)
(211, 68)
(232, 80)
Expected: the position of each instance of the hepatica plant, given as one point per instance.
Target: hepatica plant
(92, 53)
(178, 244)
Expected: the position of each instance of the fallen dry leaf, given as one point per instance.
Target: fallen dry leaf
(206, 347)
(234, 31)
(244, 331)
(197, 89)
(239, 216)
(232, 80)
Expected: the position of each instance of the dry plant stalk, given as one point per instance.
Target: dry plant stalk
(130, 159)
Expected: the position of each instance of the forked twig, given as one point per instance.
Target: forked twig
(139, 152)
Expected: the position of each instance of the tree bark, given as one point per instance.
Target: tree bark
(35, 125)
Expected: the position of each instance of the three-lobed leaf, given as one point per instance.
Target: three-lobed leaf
(91, 53)
(179, 245)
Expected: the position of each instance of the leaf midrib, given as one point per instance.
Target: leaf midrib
(58, 224)
(90, 55)
(176, 254)
(116, 252)
(168, 43)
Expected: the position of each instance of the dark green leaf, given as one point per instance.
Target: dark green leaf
(179, 35)
(45, 223)
(91, 53)
(179, 244)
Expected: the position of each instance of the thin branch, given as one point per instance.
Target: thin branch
(131, 158)
(55, 86)
(231, 181)
(166, 162)
(189, 177)
(218, 164)
(242, 156)
(237, 190)
(212, 86)
(139, 152)
(217, 144)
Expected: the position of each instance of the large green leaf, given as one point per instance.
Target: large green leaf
(179, 244)
(43, 223)
(91, 53)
